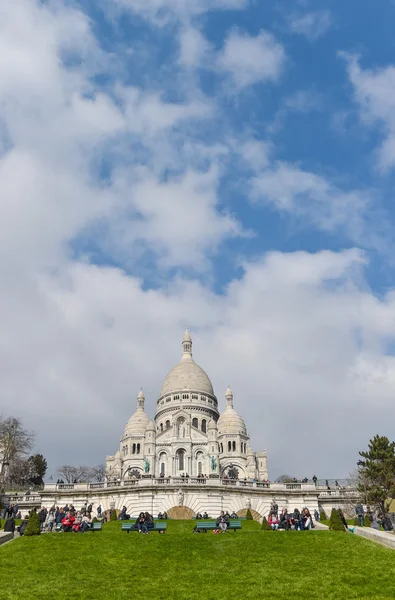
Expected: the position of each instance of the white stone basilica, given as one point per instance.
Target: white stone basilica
(189, 436)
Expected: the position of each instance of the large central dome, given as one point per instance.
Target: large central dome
(187, 375)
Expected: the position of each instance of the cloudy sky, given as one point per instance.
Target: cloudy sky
(226, 165)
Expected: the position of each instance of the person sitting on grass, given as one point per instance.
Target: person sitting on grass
(296, 520)
(284, 522)
(233, 515)
(306, 519)
(273, 521)
(198, 516)
(205, 515)
(222, 522)
(141, 524)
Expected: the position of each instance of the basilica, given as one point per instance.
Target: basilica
(189, 435)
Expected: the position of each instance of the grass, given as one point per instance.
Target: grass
(114, 565)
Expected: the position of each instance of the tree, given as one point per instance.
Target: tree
(71, 473)
(15, 443)
(98, 473)
(249, 516)
(376, 473)
(335, 523)
(39, 467)
(265, 525)
(285, 479)
(33, 524)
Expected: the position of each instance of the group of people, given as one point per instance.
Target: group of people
(375, 520)
(296, 520)
(10, 511)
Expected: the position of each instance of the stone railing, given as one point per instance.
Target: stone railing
(149, 482)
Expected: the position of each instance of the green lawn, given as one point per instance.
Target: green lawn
(181, 565)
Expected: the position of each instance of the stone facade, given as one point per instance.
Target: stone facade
(188, 435)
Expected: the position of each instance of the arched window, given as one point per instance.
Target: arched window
(134, 449)
(229, 446)
(200, 468)
(162, 462)
(195, 422)
(221, 447)
(161, 426)
(234, 446)
(167, 424)
(204, 425)
(138, 448)
(181, 460)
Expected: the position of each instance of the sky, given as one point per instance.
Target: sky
(222, 165)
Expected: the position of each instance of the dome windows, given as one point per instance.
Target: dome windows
(204, 425)
(195, 422)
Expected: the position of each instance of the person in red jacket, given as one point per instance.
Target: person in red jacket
(68, 521)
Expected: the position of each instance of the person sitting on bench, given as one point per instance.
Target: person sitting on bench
(222, 522)
(141, 524)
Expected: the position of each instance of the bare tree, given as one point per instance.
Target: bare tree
(73, 474)
(98, 473)
(15, 443)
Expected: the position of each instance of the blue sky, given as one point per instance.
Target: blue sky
(225, 165)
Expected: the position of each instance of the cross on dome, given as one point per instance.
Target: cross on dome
(229, 397)
(186, 346)
(140, 399)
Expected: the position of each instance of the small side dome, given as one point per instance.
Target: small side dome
(212, 424)
(150, 426)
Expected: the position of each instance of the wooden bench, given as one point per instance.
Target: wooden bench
(211, 525)
(92, 527)
(95, 526)
(158, 526)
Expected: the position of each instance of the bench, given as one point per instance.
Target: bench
(158, 526)
(95, 526)
(211, 525)
(91, 527)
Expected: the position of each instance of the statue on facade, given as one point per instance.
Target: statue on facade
(146, 465)
(213, 464)
(248, 503)
(180, 497)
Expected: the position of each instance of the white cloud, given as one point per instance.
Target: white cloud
(194, 48)
(161, 11)
(313, 199)
(312, 24)
(295, 332)
(374, 91)
(251, 59)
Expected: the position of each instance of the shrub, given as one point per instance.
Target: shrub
(95, 520)
(33, 524)
(265, 525)
(249, 516)
(335, 523)
(1, 526)
(356, 521)
(113, 516)
(322, 515)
